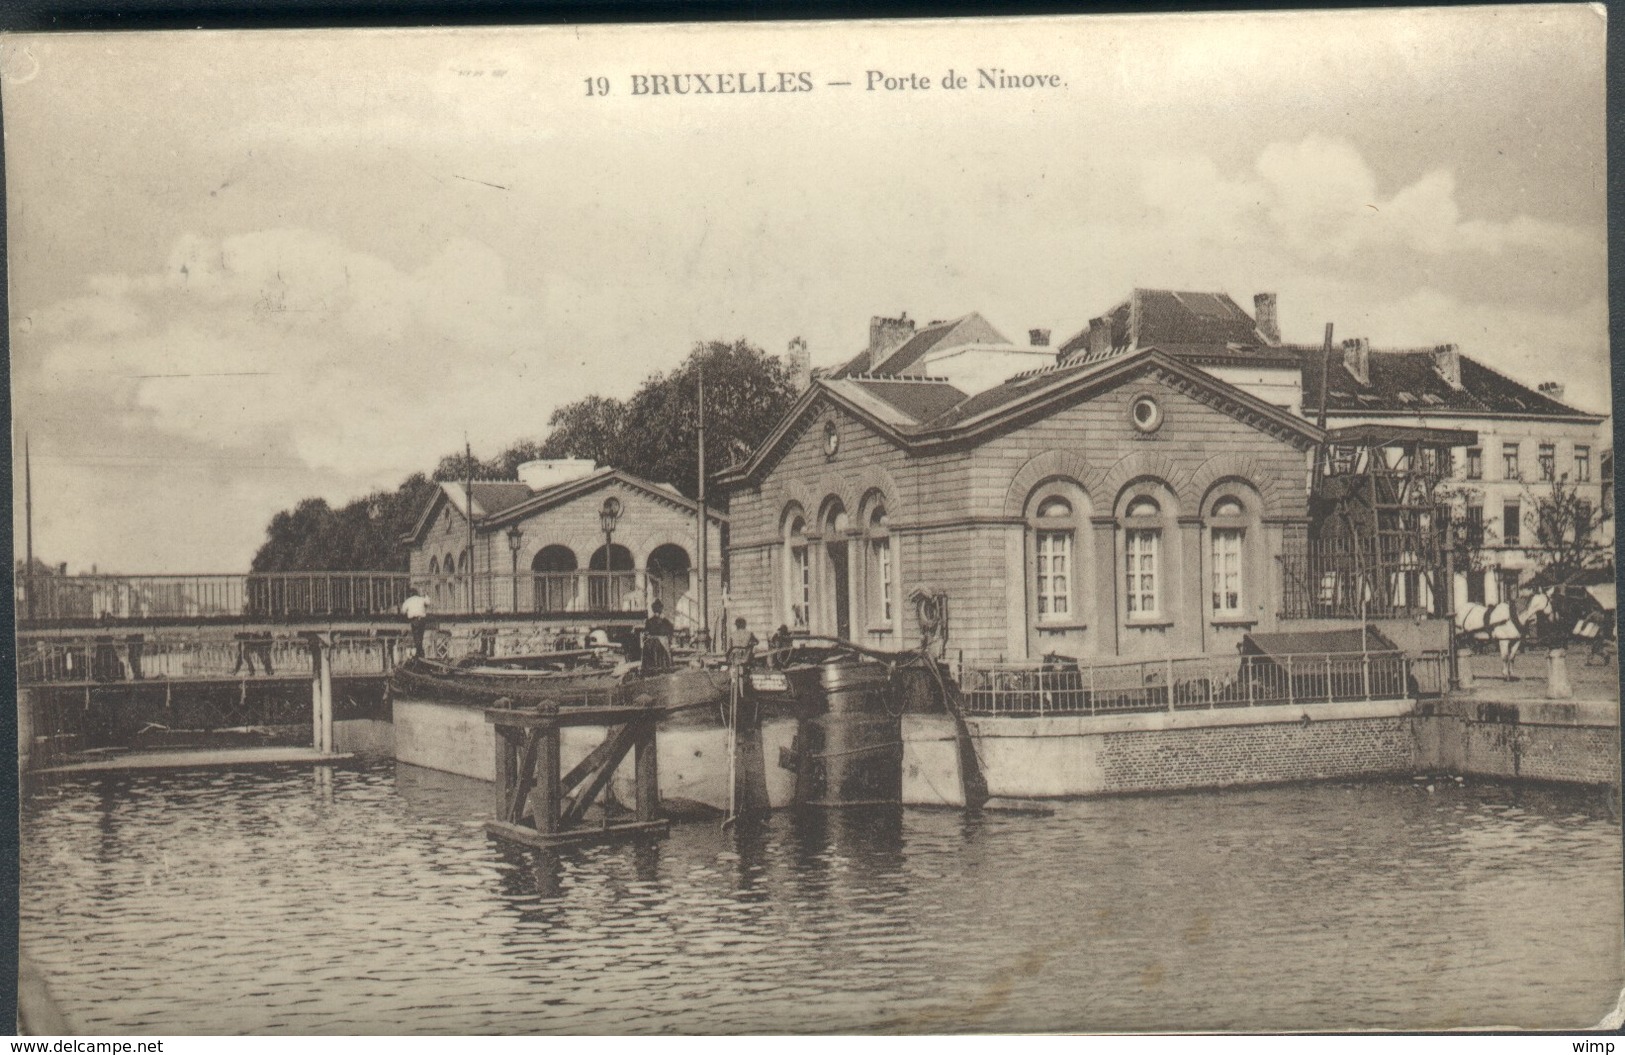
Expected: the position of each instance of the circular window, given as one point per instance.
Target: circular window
(832, 439)
(1145, 414)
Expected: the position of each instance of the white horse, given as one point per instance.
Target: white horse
(1501, 623)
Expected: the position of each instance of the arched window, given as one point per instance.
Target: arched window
(668, 567)
(1054, 513)
(1227, 544)
(434, 578)
(614, 578)
(1142, 551)
(797, 572)
(881, 575)
(553, 578)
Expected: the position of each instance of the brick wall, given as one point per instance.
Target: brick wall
(1255, 754)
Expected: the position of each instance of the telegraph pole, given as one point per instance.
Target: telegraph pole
(468, 497)
(704, 540)
(28, 506)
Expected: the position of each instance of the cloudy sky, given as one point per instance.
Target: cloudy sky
(247, 268)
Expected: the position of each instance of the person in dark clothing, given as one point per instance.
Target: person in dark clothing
(657, 634)
(743, 647)
(778, 645)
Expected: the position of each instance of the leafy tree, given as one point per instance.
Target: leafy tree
(587, 428)
(1566, 529)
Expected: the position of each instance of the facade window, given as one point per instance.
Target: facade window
(1142, 546)
(1054, 575)
(1226, 540)
(797, 575)
(1054, 548)
(1142, 572)
(880, 563)
(1475, 463)
(1509, 461)
(1475, 526)
(1511, 517)
(1548, 461)
(1582, 464)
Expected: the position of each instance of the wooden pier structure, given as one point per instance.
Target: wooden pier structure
(537, 806)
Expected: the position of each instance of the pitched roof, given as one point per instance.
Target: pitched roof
(1032, 392)
(1195, 326)
(918, 400)
(497, 502)
(967, 329)
(1408, 382)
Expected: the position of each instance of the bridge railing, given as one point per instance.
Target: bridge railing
(1186, 683)
(566, 593)
(110, 658)
(271, 595)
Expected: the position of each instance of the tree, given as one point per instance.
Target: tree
(587, 428)
(655, 432)
(1566, 529)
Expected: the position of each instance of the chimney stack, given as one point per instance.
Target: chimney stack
(886, 336)
(1551, 390)
(1447, 361)
(1100, 336)
(1357, 359)
(1264, 317)
(800, 364)
(1038, 338)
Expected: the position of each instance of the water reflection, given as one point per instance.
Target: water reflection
(372, 900)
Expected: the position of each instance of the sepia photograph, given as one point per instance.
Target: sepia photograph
(1090, 524)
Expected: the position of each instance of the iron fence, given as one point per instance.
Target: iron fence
(1186, 683)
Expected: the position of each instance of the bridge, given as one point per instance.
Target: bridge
(103, 659)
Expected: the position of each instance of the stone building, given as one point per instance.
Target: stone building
(1126, 493)
(1123, 507)
(540, 545)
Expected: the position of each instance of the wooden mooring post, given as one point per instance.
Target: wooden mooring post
(536, 805)
(321, 692)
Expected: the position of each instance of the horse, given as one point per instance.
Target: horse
(1501, 623)
(1578, 618)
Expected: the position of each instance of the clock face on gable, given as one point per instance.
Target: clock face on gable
(832, 439)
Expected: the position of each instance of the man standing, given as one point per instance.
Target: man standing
(416, 610)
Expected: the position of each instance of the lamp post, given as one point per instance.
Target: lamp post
(608, 514)
(516, 538)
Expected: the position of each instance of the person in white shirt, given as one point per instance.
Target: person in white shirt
(416, 610)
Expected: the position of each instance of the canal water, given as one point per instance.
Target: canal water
(371, 900)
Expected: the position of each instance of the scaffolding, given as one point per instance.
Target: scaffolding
(1379, 529)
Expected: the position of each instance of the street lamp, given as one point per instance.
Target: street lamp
(608, 514)
(516, 538)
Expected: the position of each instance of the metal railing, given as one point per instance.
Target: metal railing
(1186, 683)
(273, 595)
(566, 593)
(133, 658)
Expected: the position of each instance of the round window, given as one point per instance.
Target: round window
(1145, 414)
(832, 439)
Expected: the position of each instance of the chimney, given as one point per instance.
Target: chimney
(1038, 338)
(1551, 390)
(886, 336)
(1447, 361)
(1100, 336)
(1357, 359)
(1264, 317)
(800, 364)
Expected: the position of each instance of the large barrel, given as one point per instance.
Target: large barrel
(851, 747)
